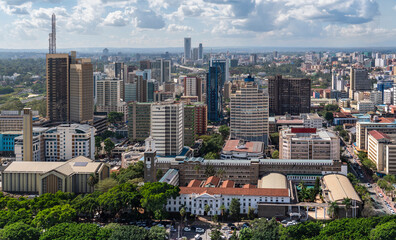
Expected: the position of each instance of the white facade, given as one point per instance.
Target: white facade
(388, 96)
(195, 203)
(167, 127)
(376, 97)
(191, 86)
(108, 94)
(312, 120)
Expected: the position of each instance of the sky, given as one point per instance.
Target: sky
(25, 24)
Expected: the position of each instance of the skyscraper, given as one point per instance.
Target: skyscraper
(224, 66)
(81, 91)
(289, 95)
(161, 70)
(200, 52)
(187, 49)
(108, 95)
(195, 54)
(52, 36)
(193, 87)
(27, 135)
(359, 81)
(249, 113)
(167, 125)
(57, 67)
(213, 93)
(139, 115)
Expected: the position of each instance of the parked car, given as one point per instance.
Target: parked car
(199, 230)
(197, 237)
(187, 229)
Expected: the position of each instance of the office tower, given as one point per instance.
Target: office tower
(146, 74)
(275, 54)
(249, 113)
(96, 77)
(308, 144)
(141, 89)
(115, 70)
(167, 125)
(145, 64)
(189, 125)
(213, 93)
(193, 87)
(359, 81)
(130, 92)
(388, 96)
(376, 97)
(200, 52)
(195, 53)
(227, 90)
(166, 68)
(333, 80)
(224, 66)
(289, 95)
(57, 69)
(81, 91)
(108, 94)
(139, 115)
(152, 85)
(27, 135)
(201, 118)
(52, 36)
(187, 49)
(253, 59)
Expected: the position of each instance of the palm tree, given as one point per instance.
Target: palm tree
(93, 179)
(222, 210)
(348, 204)
(332, 209)
(197, 167)
(207, 209)
(182, 214)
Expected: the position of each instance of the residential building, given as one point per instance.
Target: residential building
(139, 115)
(249, 113)
(193, 87)
(388, 96)
(312, 120)
(167, 127)
(161, 70)
(108, 95)
(289, 95)
(376, 97)
(382, 151)
(239, 149)
(37, 143)
(189, 125)
(201, 118)
(50, 177)
(13, 120)
(308, 143)
(362, 129)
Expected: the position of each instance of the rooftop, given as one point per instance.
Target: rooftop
(273, 180)
(378, 135)
(238, 146)
(339, 187)
(236, 191)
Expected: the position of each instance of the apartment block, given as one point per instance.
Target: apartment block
(382, 151)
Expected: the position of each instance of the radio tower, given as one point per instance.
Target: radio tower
(52, 36)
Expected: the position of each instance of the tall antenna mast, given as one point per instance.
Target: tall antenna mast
(52, 36)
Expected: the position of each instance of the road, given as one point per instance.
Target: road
(192, 69)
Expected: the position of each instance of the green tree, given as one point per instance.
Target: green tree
(120, 197)
(251, 214)
(207, 209)
(133, 171)
(317, 186)
(86, 205)
(87, 231)
(246, 234)
(115, 117)
(275, 154)
(108, 146)
(106, 184)
(222, 210)
(332, 209)
(338, 128)
(182, 214)
(98, 143)
(19, 231)
(275, 138)
(235, 208)
(93, 179)
(129, 232)
(224, 130)
(52, 216)
(263, 229)
(384, 231)
(328, 116)
(348, 204)
(209, 170)
(157, 233)
(159, 174)
(216, 234)
(155, 196)
(331, 107)
(301, 231)
(211, 155)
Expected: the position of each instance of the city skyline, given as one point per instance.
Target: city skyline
(153, 24)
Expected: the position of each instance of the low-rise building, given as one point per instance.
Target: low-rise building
(365, 106)
(382, 151)
(239, 149)
(50, 177)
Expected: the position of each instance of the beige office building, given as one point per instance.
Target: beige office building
(249, 113)
(139, 115)
(382, 151)
(363, 128)
(13, 120)
(50, 177)
(308, 143)
(108, 95)
(81, 91)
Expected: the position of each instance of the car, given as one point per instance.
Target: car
(197, 237)
(368, 185)
(380, 195)
(199, 230)
(187, 229)
(284, 221)
(173, 229)
(160, 225)
(225, 228)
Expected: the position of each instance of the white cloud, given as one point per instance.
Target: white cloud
(117, 19)
(20, 9)
(146, 19)
(179, 28)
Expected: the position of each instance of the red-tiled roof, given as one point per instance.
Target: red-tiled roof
(386, 120)
(194, 183)
(253, 147)
(237, 191)
(212, 180)
(378, 135)
(249, 186)
(228, 184)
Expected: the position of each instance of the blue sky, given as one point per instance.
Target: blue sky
(25, 24)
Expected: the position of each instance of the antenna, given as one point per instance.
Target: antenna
(52, 36)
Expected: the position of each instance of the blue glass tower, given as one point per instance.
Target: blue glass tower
(213, 93)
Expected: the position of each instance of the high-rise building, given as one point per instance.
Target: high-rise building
(195, 53)
(289, 95)
(139, 115)
(249, 113)
(167, 127)
(108, 95)
(81, 91)
(213, 93)
(200, 52)
(161, 70)
(189, 125)
(145, 64)
(224, 66)
(193, 87)
(187, 49)
(308, 143)
(27, 135)
(253, 59)
(201, 118)
(58, 66)
(13, 120)
(130, 92)
(359, 81)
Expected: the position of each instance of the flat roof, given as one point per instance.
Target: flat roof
(236, 191)
(340, 187)
(238, 146)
